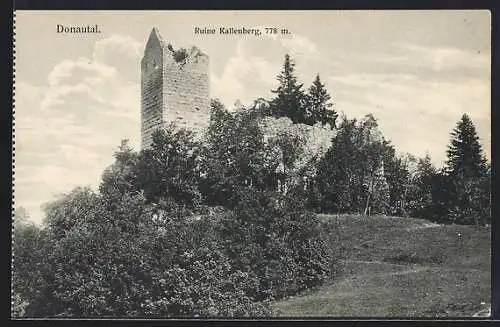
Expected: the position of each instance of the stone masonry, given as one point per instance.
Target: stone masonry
(174, 87)
(317, 139)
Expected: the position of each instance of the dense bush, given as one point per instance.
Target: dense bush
(26, 250)
(145, 260)
(273, 237)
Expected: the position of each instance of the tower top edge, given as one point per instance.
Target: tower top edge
(155, 32)
(192, 51)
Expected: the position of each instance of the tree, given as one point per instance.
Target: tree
(465, 153)
(289, 101)
(235, 156)
(373, 148)
(121, 177)
(71, 210)
(420, 198)
(467, 172)
(21, 217)
(25, 256)
(272, 236)
(399, 170)
(319, 106)
(135, 259)
(339, 173)
(289, 147)
(351, 175)
(170, 168)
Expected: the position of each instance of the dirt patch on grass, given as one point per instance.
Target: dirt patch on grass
(413, 258)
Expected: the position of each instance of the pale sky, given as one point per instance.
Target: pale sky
(78, 96)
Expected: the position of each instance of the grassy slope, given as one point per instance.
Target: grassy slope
(404, 268)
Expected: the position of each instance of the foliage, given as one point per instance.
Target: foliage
(399, 174)
(235, 156)
(362, 169)
(319, 107)
(288, 149)
(18, 305)
(465, 154)
(301, 107)
(470, 200)
(179, 55)
(141, 260)
(350, 176)
(121, 177)
(420, 195)
(26, 243)
(20, 217)
(273, 237)
(468, 176)
(290, 98)
(170, 167)
(71, 210)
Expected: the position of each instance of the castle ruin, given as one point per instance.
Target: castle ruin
(174, 87)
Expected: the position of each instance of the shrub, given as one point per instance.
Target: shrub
(137, 259)
(278, 240)
(179, 55)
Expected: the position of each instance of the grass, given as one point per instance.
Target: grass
(401, 267)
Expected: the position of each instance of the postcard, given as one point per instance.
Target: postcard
(252, 164)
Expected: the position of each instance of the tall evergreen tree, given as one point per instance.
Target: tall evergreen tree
(289, 101)
(465, 153)
(319, 105)
(467, 172)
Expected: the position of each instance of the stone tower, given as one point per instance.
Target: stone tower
(174, 87)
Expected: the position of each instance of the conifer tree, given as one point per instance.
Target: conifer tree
(465, 153)
(289, 101)
(319, 105)
(467, 173)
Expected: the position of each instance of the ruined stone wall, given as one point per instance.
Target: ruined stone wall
(317, 139)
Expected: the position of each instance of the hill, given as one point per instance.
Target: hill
(402, 267)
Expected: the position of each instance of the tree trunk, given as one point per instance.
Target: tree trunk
(368, 203)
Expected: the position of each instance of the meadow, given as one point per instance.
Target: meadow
(401, 267)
